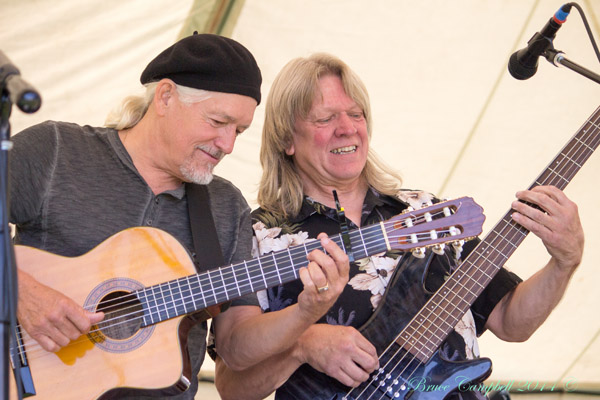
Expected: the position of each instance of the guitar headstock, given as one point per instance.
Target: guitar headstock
(432, 226)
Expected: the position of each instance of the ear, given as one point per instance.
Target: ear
(290, 150)
(163, 95)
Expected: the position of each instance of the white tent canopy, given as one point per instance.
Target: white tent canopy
(447, 114)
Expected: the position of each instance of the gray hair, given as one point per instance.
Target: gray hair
(133, 108)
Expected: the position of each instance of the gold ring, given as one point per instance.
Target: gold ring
(323, 288)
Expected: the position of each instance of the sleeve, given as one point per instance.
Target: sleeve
(32, 162)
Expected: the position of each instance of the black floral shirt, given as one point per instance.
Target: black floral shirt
(370, 277)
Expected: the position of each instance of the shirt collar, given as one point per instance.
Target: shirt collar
(373, 199)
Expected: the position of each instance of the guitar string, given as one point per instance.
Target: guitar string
(121, 316)
(560, 175)
(416, 220)
(31, 346)
(129, 294)
(574, 143)
(378, 376)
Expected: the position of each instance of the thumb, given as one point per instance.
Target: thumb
(95, 317)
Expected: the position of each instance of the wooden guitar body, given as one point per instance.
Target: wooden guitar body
(149, 357)
(145, 282)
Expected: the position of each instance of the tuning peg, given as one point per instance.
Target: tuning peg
(458, 245)
(439, 248)
(419, 252)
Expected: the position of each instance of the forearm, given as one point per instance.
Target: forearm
(254, 338)
(256, 382)
(522, 311)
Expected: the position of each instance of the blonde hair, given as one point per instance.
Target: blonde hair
(291, 96)
(133, 108)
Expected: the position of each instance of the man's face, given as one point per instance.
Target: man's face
(200, 134)
(330, 146)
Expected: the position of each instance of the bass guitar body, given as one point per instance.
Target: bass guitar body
(404, 297)
(124, 354)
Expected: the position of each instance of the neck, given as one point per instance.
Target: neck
(142, 148)
(351, 197)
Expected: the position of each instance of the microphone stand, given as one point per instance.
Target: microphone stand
(557, 58)
(8, 280)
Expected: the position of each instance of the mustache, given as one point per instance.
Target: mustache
(216, 153)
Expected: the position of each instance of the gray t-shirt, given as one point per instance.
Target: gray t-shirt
(74, 186)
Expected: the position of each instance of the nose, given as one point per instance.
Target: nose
(226, 139)
(345, 125)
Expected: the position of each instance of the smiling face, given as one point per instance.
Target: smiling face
(198, 135)
(330, 145)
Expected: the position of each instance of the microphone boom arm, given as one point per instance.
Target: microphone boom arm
(557, 58)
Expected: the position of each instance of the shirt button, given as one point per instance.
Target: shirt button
(149, 222)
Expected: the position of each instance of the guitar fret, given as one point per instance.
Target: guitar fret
(212, 287)
(200, 288)
(236, 281)
(191, 293)
(290, 256)
(187, 294)
(223, 279)
(459, 292)
(183, 296)
(559, 175)
(172, 299)
(143, 298)
(362, 240)
(165, 313)
(586, 145)
(248, 274)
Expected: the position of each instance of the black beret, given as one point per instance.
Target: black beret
(209, 62)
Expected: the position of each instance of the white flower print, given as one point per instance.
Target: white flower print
(266, 240)
(466, 328)
(378, 272)
(415, 198)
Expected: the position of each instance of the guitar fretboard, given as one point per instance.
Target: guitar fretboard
(196, 292)
(430, 327)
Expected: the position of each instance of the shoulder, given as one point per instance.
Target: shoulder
(219, 187)
(50, 134)
(226, 199)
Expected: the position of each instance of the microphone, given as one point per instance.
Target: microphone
(523, 63)
(20, 91)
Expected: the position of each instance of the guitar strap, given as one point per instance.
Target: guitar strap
(207, 249)
(204, 234)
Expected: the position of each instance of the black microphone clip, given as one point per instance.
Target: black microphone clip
(341, 214)
(523, 63)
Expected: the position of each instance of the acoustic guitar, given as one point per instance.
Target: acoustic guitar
(145, 282)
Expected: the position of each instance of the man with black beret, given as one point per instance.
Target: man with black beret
(74, 187)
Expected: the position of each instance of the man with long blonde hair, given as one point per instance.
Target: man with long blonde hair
(316, 139)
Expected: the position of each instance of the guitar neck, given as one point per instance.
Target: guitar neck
(199, 291)
(430, 327)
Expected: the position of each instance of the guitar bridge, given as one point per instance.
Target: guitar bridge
(20, 365)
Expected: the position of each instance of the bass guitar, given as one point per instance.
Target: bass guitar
(410, 324)
(145, 282)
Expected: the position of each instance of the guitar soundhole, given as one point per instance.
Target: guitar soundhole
(123, 315)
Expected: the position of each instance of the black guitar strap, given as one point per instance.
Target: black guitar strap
(204, 234)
